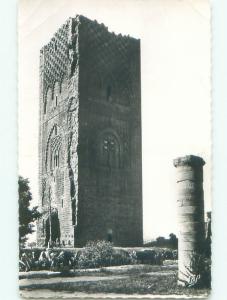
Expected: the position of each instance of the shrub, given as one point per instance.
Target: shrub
(46, 259)
(96, 254)
(149, 257)
(122, 257)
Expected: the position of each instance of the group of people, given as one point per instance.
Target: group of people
(47, 259)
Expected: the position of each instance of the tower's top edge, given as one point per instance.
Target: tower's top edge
(80, 19)
(84, 19)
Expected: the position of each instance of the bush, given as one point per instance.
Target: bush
(46, 259)
(151, 257)
(122, 257)
(168, 254)
(96, 254)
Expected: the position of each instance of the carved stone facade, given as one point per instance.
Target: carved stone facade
(90, 165)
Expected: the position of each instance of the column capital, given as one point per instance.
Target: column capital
(189, 160)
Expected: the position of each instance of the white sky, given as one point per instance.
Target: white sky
(175, 78)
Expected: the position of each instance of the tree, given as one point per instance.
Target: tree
(160, 241)
(27, 215)
(173, 240)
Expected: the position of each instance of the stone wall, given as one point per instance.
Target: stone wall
(110, 191)
(58, 132)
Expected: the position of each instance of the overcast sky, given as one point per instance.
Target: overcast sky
(175, 78)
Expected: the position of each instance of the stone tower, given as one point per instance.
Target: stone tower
(90, 166)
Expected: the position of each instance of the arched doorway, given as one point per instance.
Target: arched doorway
(110, 235)
(52, 228)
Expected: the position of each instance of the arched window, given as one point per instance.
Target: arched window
(53, 148)
(109, 150)
(54, 163)
(110, 88)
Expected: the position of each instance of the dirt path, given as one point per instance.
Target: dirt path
(36, 280)
(48, 294)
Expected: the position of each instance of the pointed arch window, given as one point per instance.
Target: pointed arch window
(110, 151)
(53, 148)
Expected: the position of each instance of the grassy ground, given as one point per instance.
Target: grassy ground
(143, 279)
(142, 284)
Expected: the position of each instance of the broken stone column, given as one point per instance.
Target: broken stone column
(190, 207)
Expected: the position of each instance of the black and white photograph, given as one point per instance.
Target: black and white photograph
(114, 149)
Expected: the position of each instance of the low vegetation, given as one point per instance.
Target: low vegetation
(94, 255)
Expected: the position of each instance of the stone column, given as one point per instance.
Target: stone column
(190, 206)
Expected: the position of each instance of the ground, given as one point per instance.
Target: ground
(146, 280)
